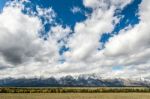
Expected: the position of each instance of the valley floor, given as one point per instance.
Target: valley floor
(74, 95)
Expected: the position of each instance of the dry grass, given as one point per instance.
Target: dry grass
(76, 96)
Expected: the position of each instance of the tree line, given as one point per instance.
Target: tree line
(72, 90)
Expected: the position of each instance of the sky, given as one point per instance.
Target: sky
(43, 38)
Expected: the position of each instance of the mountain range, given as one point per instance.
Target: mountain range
(71, 81)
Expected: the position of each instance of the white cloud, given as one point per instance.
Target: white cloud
(75, 10)
(85, 40)
(133, 40)
(58, 32)
(20, 45)
(24, 54)
(17, 34)
(132, 46)
(106, 3)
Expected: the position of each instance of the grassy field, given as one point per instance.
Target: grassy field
(75, 93)
(75, 96)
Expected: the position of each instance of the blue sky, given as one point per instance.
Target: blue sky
(69, 36)
(2, 3)
(67, 18)
(130, 17)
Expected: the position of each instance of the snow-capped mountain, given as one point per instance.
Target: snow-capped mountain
(81, 81)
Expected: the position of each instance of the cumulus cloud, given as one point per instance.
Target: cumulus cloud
(75, 10)
(20, 44)
(17, 35)
(106, 3)
(130, 48)
(85, 40)
(24, 53)
(135, 40)
(58, 32)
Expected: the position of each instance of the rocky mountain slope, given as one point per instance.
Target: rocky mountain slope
(80, 81)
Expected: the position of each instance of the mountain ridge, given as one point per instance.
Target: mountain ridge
(71, 81)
